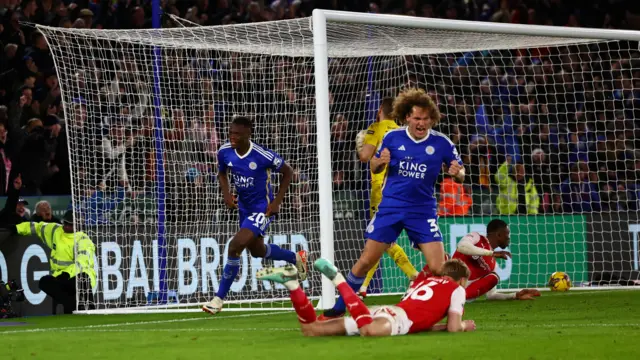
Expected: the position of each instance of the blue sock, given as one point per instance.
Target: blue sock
(354, 282)
(228, 276)
(275, 252)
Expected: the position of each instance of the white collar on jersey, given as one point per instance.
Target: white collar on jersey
(417, 141)
(247, 153)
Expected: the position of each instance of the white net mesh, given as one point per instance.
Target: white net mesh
(502, 97)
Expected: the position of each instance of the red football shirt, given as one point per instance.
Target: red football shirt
(479, 265)
(430, 300)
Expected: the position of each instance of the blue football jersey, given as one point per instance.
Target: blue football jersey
(250, 174)
(414, 169)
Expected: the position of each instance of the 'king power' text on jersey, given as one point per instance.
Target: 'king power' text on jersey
(413, 170)
(251, 176)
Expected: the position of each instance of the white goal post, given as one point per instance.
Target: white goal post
(145, 111)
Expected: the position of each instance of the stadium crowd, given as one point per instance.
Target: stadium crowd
(550, 130)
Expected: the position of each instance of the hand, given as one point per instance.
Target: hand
(527, 294)
(454, 168)
(469, 325)
(23, 100)
(272, 209)
(231, 201)
(385, 156)
(501, 254)
(17, 182)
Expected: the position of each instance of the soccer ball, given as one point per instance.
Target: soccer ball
(559, 281)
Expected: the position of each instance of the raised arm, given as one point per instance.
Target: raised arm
(42, 230)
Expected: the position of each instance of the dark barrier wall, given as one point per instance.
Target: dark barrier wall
(127, 263)
(612, 245)
(26, 260)
(127, 258)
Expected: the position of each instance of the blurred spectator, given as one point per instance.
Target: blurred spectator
(547, 109)
(579, 194)
(518, 194)
(454, 199)
(43, 212)
(14, 211)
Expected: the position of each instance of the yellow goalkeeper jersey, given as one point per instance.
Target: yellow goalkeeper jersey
(374, 135)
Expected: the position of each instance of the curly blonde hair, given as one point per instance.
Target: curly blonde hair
(407, 99)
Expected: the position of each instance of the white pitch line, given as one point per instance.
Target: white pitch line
(155, 322)
(103, 329)
(552, 326)
(166, 330)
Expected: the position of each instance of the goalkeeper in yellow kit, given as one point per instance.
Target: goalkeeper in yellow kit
(367, 143)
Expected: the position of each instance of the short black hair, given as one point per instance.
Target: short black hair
(496, 225)
(387, 106)
(243, 121)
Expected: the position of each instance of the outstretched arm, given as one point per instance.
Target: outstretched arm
(456, 309)
(455, 323)
(467, 246)
(524, 294)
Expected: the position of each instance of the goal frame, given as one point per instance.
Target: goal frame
(320, 18)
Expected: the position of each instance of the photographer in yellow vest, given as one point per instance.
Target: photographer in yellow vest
(72, 262)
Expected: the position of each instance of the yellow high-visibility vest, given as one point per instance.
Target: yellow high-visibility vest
(71, 253)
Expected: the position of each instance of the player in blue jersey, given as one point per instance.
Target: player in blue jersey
(414, 156)
(250, 167)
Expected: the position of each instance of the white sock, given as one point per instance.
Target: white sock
(339, 279)
(292, 285)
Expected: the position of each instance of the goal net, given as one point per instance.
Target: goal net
(147, 110)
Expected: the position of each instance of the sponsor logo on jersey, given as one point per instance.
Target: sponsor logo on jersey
(401, 148)
(277, 162)
(370, 132)
(253, 166)
(243, 181)
(412, 170)
(229, 164)
(430, 150)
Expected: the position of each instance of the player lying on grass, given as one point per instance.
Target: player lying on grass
(479, 254)
(413, 156)
(426, 303)
(250, 167)
(367, 143)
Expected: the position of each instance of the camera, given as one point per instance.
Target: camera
(10, 293)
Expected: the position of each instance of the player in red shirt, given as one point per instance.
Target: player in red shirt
(426, 303)
(478, 253)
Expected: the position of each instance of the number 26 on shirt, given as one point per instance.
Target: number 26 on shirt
(420, 293)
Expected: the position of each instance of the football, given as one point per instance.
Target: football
(559, 281)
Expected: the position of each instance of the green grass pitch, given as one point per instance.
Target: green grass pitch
(574, 325)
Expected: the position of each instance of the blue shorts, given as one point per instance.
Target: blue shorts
(387, 225)
(255, 221)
